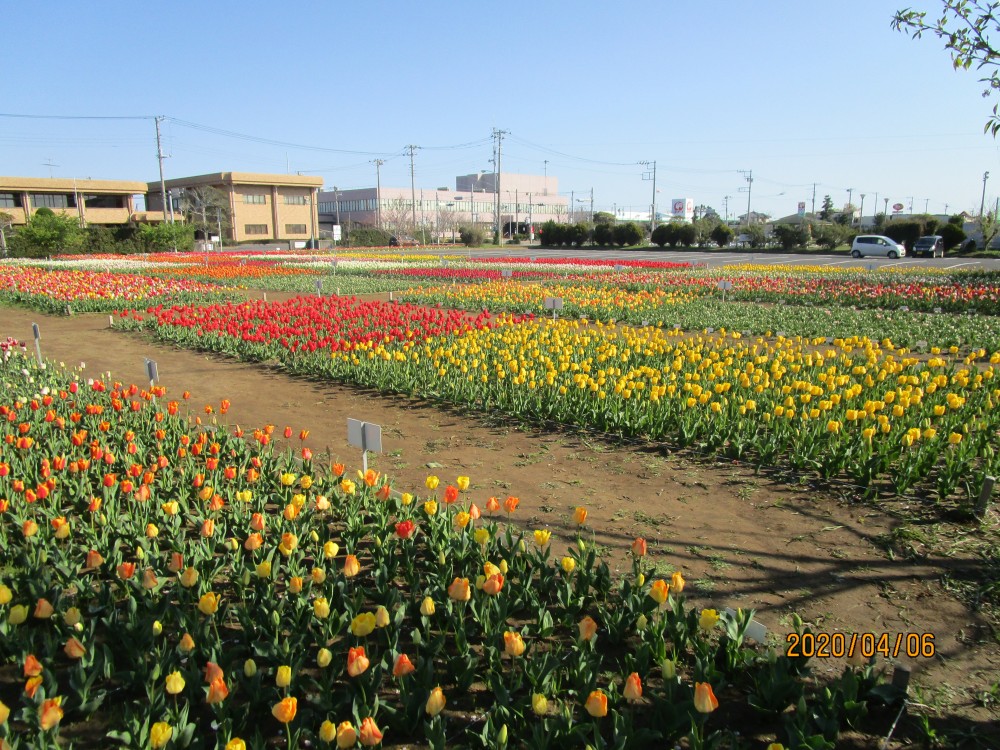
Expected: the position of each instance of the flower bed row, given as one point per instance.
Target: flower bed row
(179, 585)
(88, 291)
(846, 408)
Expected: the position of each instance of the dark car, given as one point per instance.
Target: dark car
(932, 246)
(395, 241)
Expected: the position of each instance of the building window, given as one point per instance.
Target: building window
(53, 200)
(255, 228)
(104, 201)
(255, 199)
(295, 228)
(10, 200)
(296, 200)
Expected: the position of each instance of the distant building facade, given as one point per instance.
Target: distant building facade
(262, 207)
(525, 199)
(106, 202)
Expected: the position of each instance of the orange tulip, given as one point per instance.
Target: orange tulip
(513, 644)
(459, 590)
(351, 566)
(588, 628)
(633, 688)
(435, 702)
(403, 666)
(50, 714)
(597, 704)
(493, 584)
(31, 686)
(32, 667)
(492, 505)
(126, 570)
(704, 699)
(43, 609)
(74, 649)
(208, 528)
(659, 590)
(217, 692)
(94, 560)
(347, 735)
(510, 504)
(369, 733)
(677, 582)
(580, 516)
(285, 710)
(213, 672)
(357, 662)
(639, 547)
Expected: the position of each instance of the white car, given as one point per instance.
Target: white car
(876, 244)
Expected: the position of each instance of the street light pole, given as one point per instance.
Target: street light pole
(982, 203)
(378, 191)
(861, 221)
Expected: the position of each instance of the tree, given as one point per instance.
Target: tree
(604, 217)
(664, 234)
(629, 234)
(604, 234)
(831, 236)
(990, 228)
(757, 235)
(952, 235)
(792, 235)
(472, 236)
(827, 209)
(722, 235)
(965, 26)
(159, 238)
(6, 222)
(204, 208)
(46, 233)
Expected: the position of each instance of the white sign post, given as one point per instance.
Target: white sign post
(152, 374)
(364, 435)
(725, 285)
(38, 346)
(507, 273)
(553, 304)
(319, 287)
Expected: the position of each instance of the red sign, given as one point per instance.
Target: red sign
(897, 207)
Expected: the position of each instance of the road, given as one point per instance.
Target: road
(716, 258)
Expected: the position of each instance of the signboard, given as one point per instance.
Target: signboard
(151, 372)
(802, 208)
(682, 208)
(553, 303)
(897, 207)
(214, 238)
(506, 273)
(364, 435)
(336, 232)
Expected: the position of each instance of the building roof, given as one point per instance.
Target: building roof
(68, 185)
(241, 178)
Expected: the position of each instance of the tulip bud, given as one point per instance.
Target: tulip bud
(157, 627)
(314, 536)
(284, 676)
(72, 616)
(503, 567)
(275, 618)
(417, 639)
(582, 545)
(330, 550)
(323, 658)
(246, 578)
(641, 623)
(140, 553)
(641, 580)
(427, 607)
(442, 558)
(233, 544)
(668, 669)
(539, 704)
(502, 736)
(249, 668)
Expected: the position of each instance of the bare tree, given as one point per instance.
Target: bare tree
(6, 222)
(205, 208)
(397, 217)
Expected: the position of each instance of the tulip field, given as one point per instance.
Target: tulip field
(179, 584)
(171, 579)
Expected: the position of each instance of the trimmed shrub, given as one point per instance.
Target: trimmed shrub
(629, 234)
(367, 237)
(472, 236)
(722, 235)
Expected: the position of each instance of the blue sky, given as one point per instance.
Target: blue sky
(799, 92)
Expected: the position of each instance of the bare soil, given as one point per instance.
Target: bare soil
(741, 538)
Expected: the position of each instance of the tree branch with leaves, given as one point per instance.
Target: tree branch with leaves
(965, 27)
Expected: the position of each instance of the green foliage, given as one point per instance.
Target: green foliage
(472, 236)
(905, 232)
(159, 238)
(827, 209)
(604, 217)
(604, 234)
(703, 228)
(47, 233)
(757, 235)
(879, 222)
(123, 239)
(792, 235)
(831, 236)
(554, 234)
(580, 233)
(551, 233)
(664, 235)
(951, 235)
(964, 26)
(629, 234)
(990, 227)
(721, 235)
(687, 235)
(367, 237)
(957, 219)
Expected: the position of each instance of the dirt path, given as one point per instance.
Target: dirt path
(741, 540)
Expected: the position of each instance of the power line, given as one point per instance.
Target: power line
(78, 117)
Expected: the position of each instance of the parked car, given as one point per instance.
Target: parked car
(401, 241)
(932, 245)
(876, 244)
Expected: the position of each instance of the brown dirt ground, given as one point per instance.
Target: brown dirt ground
(741, 539)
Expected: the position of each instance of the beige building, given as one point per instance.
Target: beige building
(92, 201)
(262, 207)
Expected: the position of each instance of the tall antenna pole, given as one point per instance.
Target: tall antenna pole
(982, 202)
(748, 176)
(546, 187)
(646, 176)
(413, 191)
(163, 185)
(378, 194)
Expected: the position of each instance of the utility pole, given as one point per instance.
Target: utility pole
(850, 193)
(725, 202)
(498, 135)
(861, 221)
(413, 192)
(163, 186)
(875, 210)
(748, 176)
(982, 202)
(927, 203)
(814, 200)
(378, 194)
(572, 205)
(545, 186)
(336, 202)
(885, 213)
(591, 204)
(646, 176)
